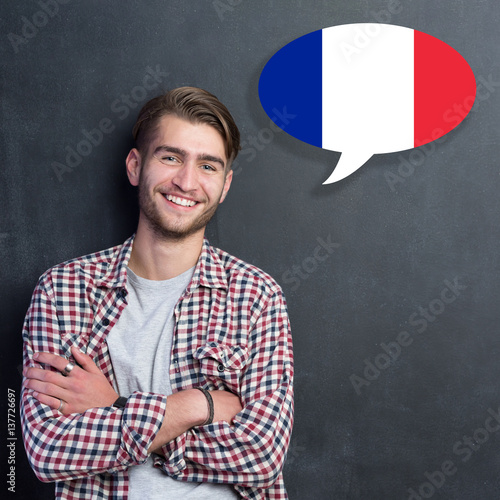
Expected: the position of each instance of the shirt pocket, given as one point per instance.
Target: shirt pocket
(222, 364)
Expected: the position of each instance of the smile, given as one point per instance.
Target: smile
(180, 201)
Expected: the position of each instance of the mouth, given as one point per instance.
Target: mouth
(182, 202)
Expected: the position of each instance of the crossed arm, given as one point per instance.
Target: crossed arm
(245, 447)
(86, 387)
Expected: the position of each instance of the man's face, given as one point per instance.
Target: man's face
(182, 178)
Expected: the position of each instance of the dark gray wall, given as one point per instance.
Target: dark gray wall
(419, 255)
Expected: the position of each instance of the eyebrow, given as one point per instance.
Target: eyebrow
(182, 152)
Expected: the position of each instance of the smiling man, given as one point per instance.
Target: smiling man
(162, 368)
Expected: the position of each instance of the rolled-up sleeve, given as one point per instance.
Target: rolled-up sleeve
(62, 447)
(251, 451)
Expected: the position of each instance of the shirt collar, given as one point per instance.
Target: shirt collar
(116, 274)
(209, 271)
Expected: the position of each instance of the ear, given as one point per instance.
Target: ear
(227, 185)
(133, 163)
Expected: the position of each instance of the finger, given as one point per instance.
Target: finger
(57, 362)
(49, 376)
(54, 403)
(84, 360)
(48, 388)
(38, 373)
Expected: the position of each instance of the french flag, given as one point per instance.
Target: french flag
(364, 89)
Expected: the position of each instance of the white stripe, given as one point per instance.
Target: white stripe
(368, 95)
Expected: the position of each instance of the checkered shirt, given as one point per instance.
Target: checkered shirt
(231, 332)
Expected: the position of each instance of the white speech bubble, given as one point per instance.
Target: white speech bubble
(365, 89)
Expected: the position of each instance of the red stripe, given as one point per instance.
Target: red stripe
(445, 88)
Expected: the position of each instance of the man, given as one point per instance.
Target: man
(162, 368)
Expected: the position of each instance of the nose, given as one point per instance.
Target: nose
(185, 177)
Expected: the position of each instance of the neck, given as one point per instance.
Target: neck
(156, 258)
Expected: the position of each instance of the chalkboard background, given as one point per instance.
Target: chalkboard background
(410, 242)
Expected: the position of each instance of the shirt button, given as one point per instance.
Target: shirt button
(212, 344)
(220, 367)
(123, 293)
(105, 321)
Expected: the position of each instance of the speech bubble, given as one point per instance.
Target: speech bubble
(365, 89)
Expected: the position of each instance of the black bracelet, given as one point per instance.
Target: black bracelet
(120, 402)
(210, 402)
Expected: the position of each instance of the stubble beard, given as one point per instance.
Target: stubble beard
(165, 229)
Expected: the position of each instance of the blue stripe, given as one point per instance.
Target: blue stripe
(290, 88)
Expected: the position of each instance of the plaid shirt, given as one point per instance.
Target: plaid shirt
(231, 332)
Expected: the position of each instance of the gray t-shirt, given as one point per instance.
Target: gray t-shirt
(139, 346)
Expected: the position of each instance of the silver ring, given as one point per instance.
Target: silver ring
(60, 405)
(67, 369)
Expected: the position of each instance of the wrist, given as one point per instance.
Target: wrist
(120, 402)
(188, 407)
(185, 409)
(210, 406)
(199, 407)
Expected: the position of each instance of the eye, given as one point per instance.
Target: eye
(167, 159)
(207, 167)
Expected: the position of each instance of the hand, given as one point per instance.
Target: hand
(83, 388)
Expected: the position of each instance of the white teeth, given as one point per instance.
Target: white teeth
(180, 201)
